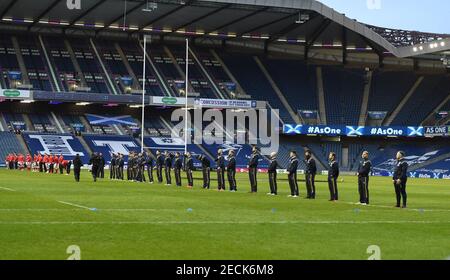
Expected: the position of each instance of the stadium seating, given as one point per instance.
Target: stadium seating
(135, 58)
(34, 62)
(343, 94)
(42, 123)
(62, 64)
(10, 118)
(213, 66)
(432, 91)
(389, 85)
(8, 60)
(250, 77)
(323, 149)
(165, 67)
(89, 64)
(197, 79)
(297, 82)
(286, 146)
(9, 144)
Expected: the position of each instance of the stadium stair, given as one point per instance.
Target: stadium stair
(205, 73)
(9, 144)
(3, 125)
(321, 97)
(127, 65)
(57, 83)
(57, 122)
(22, 143)
(431, 118)
(277, 90)
(105, 71)
(230, 75)
(28, 122)
(21, 61)
(161, 80)
(365, 100)
(177, 67)
(84, 144)
(402, 103)
(75, 63)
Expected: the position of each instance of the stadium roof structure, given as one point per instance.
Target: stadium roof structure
(305, 22)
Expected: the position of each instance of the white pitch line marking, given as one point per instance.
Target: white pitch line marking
(7, 189)
(83, 209)
(75, 205)
(218, 222)
(393, 208)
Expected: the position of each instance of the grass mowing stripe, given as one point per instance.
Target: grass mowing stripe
(217, 222)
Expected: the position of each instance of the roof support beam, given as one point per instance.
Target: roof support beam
(120, 17)
(237, 20)
(179, 7)
(6, 10)
(310, 40)
(266, 24)
(344, 45)
(376, 50)
(287, 29)
(48, 9)
(200, 18)
(84, 14)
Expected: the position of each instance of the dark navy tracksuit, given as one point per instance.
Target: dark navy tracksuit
(401, 173)
(220, 161)
(310, 177)
(333, 175)
(178, 165)
(252, 171)
(273, 176)
(292, 176)
(231, 173)
(364, 169)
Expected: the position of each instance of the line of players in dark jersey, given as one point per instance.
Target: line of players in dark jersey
(165, 162)
(142, 164)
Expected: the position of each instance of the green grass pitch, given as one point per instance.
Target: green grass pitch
(41, 215)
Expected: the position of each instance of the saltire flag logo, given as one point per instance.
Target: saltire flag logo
(415, 131)
(103, 120)
(358, 131)
(291, 129)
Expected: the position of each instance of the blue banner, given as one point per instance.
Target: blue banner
(340, 130)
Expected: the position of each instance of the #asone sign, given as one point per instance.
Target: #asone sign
(339, 130)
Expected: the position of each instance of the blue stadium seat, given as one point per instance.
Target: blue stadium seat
(250, 77)
(431, 92)
(296, 80)
(9, 144)
(344, 90)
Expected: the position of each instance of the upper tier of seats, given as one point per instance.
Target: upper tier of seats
(99, 65)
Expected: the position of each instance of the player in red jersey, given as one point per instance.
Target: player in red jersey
(29, 161)
(61, 164)
(21, 161)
